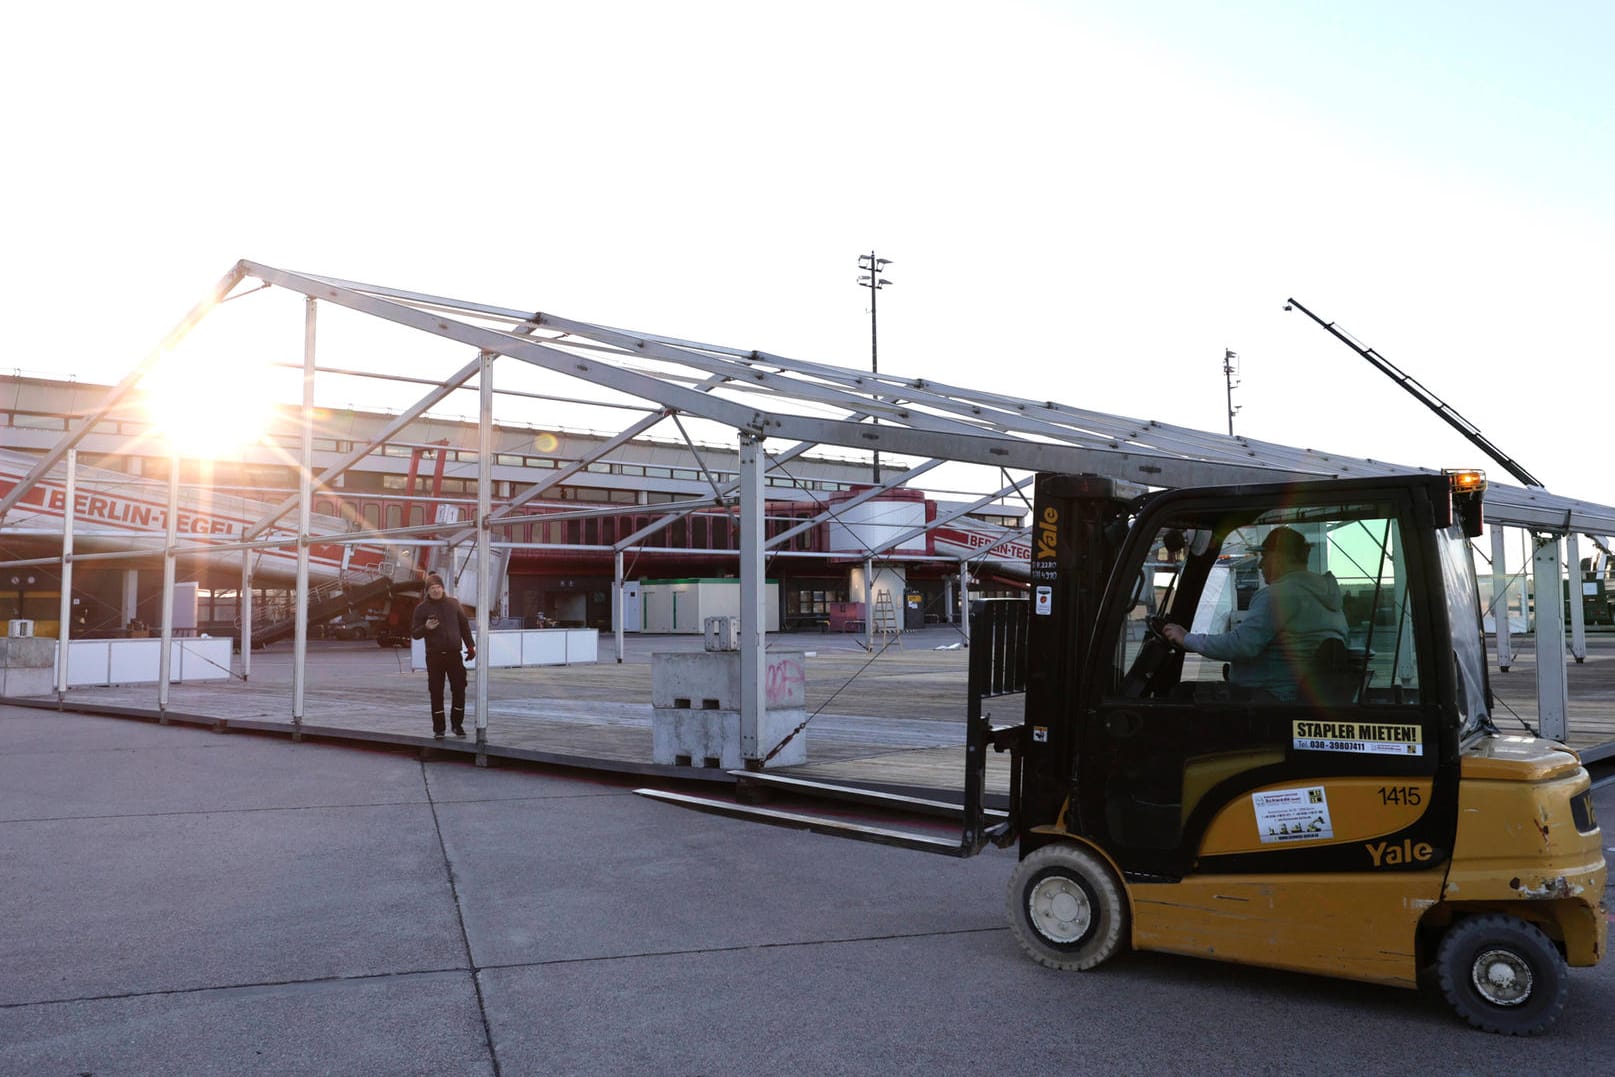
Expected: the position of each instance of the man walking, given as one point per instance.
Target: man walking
(441, 622)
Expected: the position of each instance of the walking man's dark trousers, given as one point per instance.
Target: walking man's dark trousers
(440, 666)
(441, 625)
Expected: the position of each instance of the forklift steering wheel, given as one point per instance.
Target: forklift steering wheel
(1155, 628)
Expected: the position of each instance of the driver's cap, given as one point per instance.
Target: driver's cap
(1288, 541)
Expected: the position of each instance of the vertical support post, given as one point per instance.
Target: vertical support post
(64, 632)
(869, 605)
(947, 599)
(131, 594)
(753, 604)
(617, 604)
(305, 491)
(1552, 691)
(964, 599)
(485, 589)
(1500, 622)
(244, 613)
(874, 349)
(1574, 588)
(165, 650)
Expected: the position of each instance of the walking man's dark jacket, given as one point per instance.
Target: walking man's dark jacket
(453, 627)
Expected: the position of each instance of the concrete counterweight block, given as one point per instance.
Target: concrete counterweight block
(27, 666)
(695, 718)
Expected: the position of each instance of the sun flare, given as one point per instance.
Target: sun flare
(207, 410)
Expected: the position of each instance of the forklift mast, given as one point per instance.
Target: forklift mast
(1080, 523)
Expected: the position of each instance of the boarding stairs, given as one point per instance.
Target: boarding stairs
(350, 593)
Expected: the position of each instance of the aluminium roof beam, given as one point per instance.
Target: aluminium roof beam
(774, 461)
(1135, 466)
(1184, 457)
(562, 474)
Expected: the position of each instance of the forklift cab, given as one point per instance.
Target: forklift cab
(1303, 812)
(1170, 737)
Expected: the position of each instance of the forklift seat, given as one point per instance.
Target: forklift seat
(1332, 678)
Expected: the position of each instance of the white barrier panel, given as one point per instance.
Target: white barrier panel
(204, 659)
(544, 648)
(527, 647)
(582, 646)
(134, 661)
(87, 661)
(504, 649)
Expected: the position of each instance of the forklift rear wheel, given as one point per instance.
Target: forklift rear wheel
(1066, 908)
(1503, 975)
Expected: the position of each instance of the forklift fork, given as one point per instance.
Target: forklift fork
(997, 668)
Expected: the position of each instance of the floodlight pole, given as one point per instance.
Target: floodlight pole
(874, 282)
(1229, 370)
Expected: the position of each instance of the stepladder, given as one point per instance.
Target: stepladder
(885, 620)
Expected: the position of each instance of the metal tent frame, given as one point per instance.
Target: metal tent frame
(763, 397)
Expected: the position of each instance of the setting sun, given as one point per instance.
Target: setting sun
(207, 409)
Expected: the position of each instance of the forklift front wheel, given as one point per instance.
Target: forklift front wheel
(1503, 975)
(1066, 908)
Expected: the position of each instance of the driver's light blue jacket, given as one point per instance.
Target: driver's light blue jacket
(1275, 644)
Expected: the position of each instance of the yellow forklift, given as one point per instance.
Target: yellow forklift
(1352, 811)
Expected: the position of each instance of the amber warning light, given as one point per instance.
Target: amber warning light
(1468, 492)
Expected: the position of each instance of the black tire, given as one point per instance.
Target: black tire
(1503, 975)
(1066, 908)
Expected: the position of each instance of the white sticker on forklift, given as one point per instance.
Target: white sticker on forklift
(1045, 601)
(1292, 815)
(1368, 738)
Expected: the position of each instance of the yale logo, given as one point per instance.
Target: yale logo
(1385, 855)
(1045, 533)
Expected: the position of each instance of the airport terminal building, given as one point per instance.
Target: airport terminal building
(601, 499)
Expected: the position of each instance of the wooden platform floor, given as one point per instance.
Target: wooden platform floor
(895, 720)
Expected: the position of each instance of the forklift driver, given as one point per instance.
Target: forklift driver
(1287, 622)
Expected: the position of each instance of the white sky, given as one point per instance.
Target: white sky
(1084, 201)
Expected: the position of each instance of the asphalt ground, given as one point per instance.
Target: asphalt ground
(179, 901)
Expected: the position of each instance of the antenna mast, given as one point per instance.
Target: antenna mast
(1423, 396)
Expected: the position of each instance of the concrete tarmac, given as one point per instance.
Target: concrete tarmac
(181, 902)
